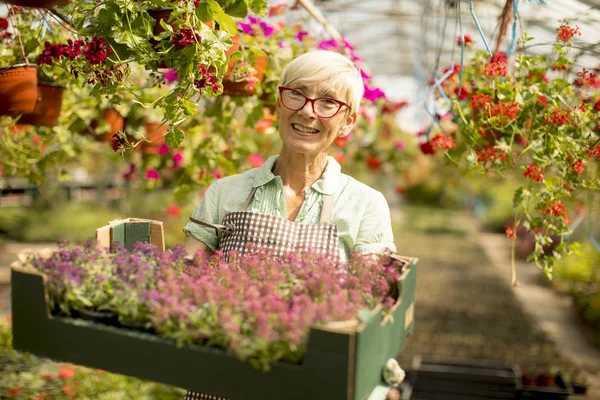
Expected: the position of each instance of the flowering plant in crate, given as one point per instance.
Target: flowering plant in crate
(257, 306)
(535, 119)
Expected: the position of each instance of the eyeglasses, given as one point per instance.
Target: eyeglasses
(324, 107)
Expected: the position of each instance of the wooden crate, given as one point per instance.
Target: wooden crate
(342, 360)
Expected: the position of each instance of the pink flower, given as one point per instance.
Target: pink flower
(177, 160)
(163, 149)
(215, 172)
(374, 94)
(255, 160)
(300, 35)
(152, 174)
(400, 145)
(246, 28)
(171, 75)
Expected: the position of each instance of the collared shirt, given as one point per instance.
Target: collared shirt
(361, 213)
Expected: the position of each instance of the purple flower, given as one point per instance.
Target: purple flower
(152, 174)
(300, 35)
(171, 75)
(246, 28)
(267, 29)
(374, 94)
(163, 149)
(328, 44)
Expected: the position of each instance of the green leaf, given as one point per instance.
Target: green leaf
(189, 108)
(175, 137)
(237, 9)
(255, 115)
(204, 12)
(225, 21)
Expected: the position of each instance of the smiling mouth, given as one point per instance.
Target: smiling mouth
(304, 129)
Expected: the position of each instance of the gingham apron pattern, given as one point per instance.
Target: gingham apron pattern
(242, 227)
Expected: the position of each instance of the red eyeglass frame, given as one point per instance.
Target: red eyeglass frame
(312, 101)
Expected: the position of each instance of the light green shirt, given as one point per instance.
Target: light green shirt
(361, 214)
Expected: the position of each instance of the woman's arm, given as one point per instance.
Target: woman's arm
(192, 245)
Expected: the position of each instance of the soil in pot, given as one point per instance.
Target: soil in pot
(18, 89)
(48, 106)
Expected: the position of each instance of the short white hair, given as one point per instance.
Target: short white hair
(317, 66)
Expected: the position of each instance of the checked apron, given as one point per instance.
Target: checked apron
(279, 234)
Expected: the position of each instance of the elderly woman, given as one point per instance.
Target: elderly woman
(300, 199)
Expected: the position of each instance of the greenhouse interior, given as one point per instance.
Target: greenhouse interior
(299, 199)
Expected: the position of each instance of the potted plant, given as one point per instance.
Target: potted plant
(18, 76)
(183, 41)
(533, 121)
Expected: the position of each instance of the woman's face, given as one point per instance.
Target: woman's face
(305, 132)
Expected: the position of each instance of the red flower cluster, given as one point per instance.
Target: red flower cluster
(4, 33)
(184, 38)
(496, 68)
(105, 76)
(565, 33)
(468, 39)
(427, 148)
(207, 79)
(374, 163)
(542, 100)
(597, 106)
(506, 109)
(587, 79)
(557, 209)
(96, 51)
(490, 153)
(534, 172)
(511, 232)
(559, 117)
(480, 100)
(464, 92)
(444, 142)
(57, 51)
(579, 166)
(594, 152)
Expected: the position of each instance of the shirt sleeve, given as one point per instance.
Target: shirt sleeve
(207, 211)
(375, 231)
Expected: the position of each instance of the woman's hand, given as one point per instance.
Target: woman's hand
(192, 245)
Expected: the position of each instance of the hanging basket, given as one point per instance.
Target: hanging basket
(245, 88)
(38, 3)
(48, 106)
(18, 89)
(114, 120)
(154, 130)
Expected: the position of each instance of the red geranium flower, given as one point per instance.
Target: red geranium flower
(565, 33)
(511, 232)
(427, 148)
(3, 24)
(373, 163)
(467, 39)
(534, 172)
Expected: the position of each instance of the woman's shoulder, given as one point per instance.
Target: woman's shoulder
(237, 182)
(356, 187)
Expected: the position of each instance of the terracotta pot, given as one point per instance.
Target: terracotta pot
(529, 380)
(546, 379)
(38, 3)
(48, 106)
(153, 131)
(241, 88)
(18, 89)
(158, 14)
(116, 122)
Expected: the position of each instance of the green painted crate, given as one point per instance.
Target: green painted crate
(342, 360)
